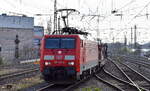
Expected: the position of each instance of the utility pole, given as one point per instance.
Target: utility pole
(135, 37)
(59, 32)
(131, 37)
(125, 43)
(147, 14)
(98, 32)
(55, 16)
(125, 40)
(113, 39)
(49, 26)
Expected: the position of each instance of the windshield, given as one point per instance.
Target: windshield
(51, 43)
(64, 43)
(68, 43)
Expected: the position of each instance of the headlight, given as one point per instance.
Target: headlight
(48, 57)
(47, 63)
(69, 57)
(70, 63)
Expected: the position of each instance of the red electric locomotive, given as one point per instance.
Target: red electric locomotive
(69, 56)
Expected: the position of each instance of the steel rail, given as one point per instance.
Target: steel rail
(148, 80)
(108, 83)
(138, 88)
(126, 82)
(69, 88)
(17, 74)
(14, 77)
(11, 73)
(45, 87)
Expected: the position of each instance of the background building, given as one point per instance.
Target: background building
(10, 26)
(38, 34)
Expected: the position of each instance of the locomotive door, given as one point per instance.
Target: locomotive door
(84, 55)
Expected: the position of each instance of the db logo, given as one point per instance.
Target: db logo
(59, 52)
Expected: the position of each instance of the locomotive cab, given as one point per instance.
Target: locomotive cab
(58, 58)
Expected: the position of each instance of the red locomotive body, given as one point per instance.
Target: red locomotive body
(67, 58)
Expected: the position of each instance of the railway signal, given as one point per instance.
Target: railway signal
(17, 41)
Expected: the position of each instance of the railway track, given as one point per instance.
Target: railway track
(134, 58)
(16, 66)
(12, 69)
(142, 66)
(114, 82)
(18, 71)
(9, 78)
(141, 62)
(135, 77)
(121, 84)
(75, 85)
(123, 79)
(46, 87)
(56, 87)
(105, 77)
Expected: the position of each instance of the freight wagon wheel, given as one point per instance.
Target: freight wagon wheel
(96, 69)
(81, 77)
(84, 75)
(87, 73)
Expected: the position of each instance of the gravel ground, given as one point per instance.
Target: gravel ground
(7, 71)
(110, 67)
(11, 69)
(94, 85)
(143, 70)
(21, 84)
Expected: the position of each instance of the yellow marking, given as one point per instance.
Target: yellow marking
(37, 62)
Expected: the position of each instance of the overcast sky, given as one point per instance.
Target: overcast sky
(110, 25)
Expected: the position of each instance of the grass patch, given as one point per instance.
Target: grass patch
(23, 83)
(89, 89)
(28, 82)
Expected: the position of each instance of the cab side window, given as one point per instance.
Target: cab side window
(81, 43)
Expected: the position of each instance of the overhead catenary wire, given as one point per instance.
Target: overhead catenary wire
(137, 15)
(129, 3)
(139, 12)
